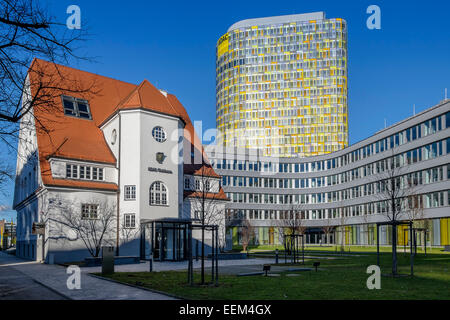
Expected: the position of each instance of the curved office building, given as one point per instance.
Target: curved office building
(347, 191)
(281, 85)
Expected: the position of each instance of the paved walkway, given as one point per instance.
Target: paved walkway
(14, 285)
(55, 278)
(181, 265)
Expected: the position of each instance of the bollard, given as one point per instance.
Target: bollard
(316, 265)
(107, 260)
(196, 250)
(150, 262)
(276, 256)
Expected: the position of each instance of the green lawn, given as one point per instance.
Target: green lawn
(337, 249)
(343, 278)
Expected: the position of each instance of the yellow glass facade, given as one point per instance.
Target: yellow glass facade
(282, 88)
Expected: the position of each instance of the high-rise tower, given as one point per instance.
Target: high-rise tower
(281, 85)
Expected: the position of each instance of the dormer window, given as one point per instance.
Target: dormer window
(74, 171)
(76, 107)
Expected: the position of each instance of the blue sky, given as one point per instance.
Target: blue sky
(172, 44)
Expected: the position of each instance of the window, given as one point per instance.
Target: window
(447, 120)
(97, 173)
(159, 134)
(129, 220)
(68, 171)
(197, 185)
(197, 215)
(89, 211)
(76, 107)
(113, 136)
(130, 192)
(71, 171)
(187, 184)
(74, 171)
(158, 194)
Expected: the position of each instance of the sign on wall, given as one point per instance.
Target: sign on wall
(38, 228)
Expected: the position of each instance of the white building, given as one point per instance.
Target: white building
(344, 191)
(118, 156)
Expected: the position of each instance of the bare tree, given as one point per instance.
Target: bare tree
(6, 173)
(366, 219)
(206, 201)
(393, 191)
(247, 234)
(292, 222)
(93, 223)
(328, 228)
(27, 30)
(342, 217)
(416, 215)
(128, 233)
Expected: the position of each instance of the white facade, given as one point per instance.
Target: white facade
(146, 182)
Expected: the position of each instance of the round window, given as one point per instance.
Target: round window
(159, 134)
(113, 136)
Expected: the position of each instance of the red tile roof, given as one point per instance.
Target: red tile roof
(146, 96)
(80, 139)
(191, 135)
(208, 195)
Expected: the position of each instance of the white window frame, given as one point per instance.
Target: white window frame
(197, 215)
(89, 211)
(158, 197)
(73, 171)
(76, 110)
(198, 185)
(187, 183)
(159, 134)
(129, 193)
(129, 220)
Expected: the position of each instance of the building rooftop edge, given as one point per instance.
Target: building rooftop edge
(320, 15)
(258, 152)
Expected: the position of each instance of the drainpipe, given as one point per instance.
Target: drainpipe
(119, 187)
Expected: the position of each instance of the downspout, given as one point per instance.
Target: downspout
(119, 189)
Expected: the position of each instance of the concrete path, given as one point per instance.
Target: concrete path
(54, 277)
(180, 265)
(15, 285)
(229, 267)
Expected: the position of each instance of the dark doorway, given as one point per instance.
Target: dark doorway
(166, 239)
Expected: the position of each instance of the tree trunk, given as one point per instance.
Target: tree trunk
(394, 250)
(203, 253)
(424, 242)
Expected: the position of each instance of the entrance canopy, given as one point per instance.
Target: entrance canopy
(165, 239)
